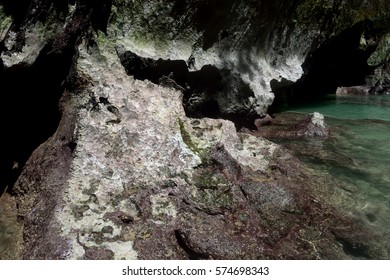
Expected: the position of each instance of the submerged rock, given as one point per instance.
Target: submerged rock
(313, 125)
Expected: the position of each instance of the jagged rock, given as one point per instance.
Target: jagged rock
(355, 90)
(314, 125)
(266, 120)
(311, 126)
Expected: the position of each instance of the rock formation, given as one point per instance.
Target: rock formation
(311, 126)
(128, 145)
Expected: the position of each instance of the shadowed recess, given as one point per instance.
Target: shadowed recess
(340, 61)
(208, 92)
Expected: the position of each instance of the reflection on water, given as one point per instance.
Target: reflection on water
(358, 151)
(351, 107)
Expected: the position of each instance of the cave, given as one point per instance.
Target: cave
(339, 62)
(206, 92)
(31, 93)
(30, 113)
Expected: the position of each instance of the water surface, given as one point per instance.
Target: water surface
(358, 151)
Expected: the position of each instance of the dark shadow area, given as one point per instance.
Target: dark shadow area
(214, 19)
(30, 97)
(209, 16)
(22, 10)
(30, 93)
(341, 61)
(192, 255)
(209, 92)
(357, 251)
(97, 11)
(30, 115)
(17, 9)
(152, 70)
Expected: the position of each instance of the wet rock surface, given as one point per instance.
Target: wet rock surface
(346, 154)
(313, 125)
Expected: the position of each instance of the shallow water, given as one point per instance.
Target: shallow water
(373, 107)
(358, 151)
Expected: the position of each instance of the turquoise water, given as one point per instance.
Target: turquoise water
(358, 151)
(351, 107)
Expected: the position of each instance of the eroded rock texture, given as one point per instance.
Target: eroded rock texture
(124, 153)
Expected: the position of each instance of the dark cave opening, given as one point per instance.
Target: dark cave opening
(31, 93)
(211, 17)
(30, 114)
(17, 9)
(209, 92)
(339, 62)
(97, 11)
(152, 70)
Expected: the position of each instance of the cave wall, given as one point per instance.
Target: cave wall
(261, 41)
(315, 42)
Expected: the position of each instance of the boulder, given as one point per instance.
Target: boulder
(355, 90)
(313, 125)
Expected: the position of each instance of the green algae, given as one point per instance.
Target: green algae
(203, 153)
(5, 23)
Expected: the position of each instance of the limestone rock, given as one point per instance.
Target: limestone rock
(313, 125)
(355, 90)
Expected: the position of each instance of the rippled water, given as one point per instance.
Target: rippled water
(358, 151)
(351, 107)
